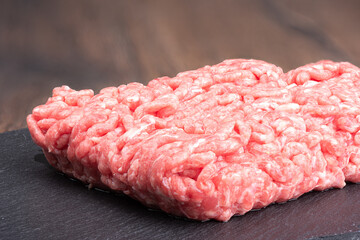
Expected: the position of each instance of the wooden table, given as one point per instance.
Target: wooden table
(95, 44)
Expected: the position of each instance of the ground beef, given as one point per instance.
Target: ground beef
(213, 142)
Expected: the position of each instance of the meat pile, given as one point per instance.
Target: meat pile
(212, 142)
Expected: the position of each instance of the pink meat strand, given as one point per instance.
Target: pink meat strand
(213, 142)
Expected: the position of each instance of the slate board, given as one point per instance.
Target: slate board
(38, 203)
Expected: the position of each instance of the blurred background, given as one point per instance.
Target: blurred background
(96, 44)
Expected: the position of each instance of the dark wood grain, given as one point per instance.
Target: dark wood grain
(95, 44)
(38, 203)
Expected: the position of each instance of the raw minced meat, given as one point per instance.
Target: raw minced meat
(212, 142)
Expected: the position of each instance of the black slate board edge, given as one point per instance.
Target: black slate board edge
(18, 147)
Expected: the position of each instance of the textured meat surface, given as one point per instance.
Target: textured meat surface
(212, 142)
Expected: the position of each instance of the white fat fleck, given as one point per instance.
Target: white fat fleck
(111, 154)
(291, 86)
(274, 105)
(265, 105)
(237, 175)
(241, 150)
(273, 74)
(347, 107)
(134, 98)
(280, 125)
(326, 128)
(211, 214)
(95, 139)
(196, 90)
(242, 196)
(232, 97)
(196, 144)
(344, 106)
(289, 107)
(310, 83)
(135, 131)
(319, 67)
(322, 175)
(284, 91)
(334, 99)
(263, 137)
